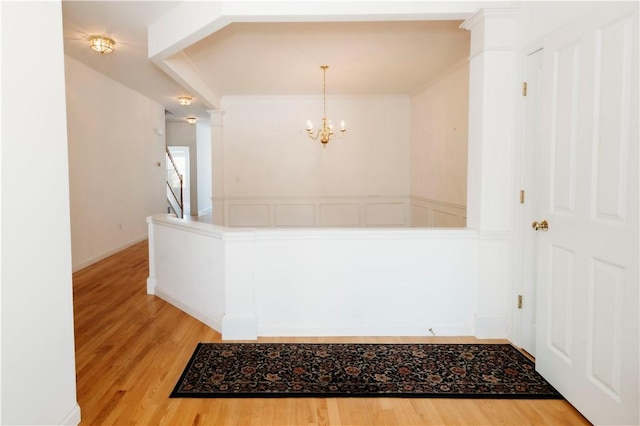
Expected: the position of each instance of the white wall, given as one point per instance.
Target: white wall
(439, 141)
(269, 159)
(38, 360)
(318, 282)
(203, 151)
(114, 148)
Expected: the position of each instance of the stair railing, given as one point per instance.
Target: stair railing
(174, 187)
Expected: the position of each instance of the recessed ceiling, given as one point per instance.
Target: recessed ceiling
(246, 58)
(363, 57)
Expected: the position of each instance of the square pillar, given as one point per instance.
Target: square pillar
(492, 105)
(217, 167)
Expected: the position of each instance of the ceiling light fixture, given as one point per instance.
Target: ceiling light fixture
(101, 44)
(184, 100)
(191, 120)
(326, 132)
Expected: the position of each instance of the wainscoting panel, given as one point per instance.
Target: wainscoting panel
(294, 215)
(248, 215)
(277, 212)
(437, 214)
(443, 219)
(367, 211)
(343, 214)
(388, 214)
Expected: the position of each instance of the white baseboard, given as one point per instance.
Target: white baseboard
(337, 331)
(205, 211)
(151, 285)
(239, 328)
(73, 418)
(89, 262)
(214, 323)
(490, 326)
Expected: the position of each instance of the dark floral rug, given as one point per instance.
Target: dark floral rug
(223, 370)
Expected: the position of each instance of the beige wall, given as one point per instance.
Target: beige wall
(276, 176)
(114, 148)
(439, 145)
(267, 151)
(402, 162)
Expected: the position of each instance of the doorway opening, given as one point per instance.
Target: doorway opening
(180, 156)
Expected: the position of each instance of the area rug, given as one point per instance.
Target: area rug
(261, 370)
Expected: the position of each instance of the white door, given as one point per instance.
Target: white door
(533, 78)
(587, 292)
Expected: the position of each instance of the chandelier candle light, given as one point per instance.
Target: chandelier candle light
(325, 134)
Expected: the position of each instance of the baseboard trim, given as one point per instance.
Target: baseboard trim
(209, 321)
(73, 418)
(490, 326)
(349, 331)
(96, 259)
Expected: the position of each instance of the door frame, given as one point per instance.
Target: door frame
(520, 262)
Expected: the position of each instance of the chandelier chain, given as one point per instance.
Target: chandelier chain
(324, 89)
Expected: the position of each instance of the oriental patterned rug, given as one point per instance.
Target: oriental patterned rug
(267, 370)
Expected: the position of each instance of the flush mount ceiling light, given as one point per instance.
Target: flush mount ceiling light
(184, 100)
(326, 132)
(101, 44)
(191, 120)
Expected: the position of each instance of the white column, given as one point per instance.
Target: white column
(217, 167)
(492, 102)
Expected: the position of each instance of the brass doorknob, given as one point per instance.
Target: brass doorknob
(544, 226)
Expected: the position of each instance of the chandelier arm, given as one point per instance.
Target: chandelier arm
(310, 134)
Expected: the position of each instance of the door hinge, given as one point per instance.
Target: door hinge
(524, 88)
(522, 196)
(519, 301)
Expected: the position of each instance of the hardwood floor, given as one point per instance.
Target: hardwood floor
(132, 347)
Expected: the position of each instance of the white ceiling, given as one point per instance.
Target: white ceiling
(267, 58)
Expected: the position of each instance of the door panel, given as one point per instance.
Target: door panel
(564, 100)
(561, 282)
(604, 348)
(612, 91)
(588, 332)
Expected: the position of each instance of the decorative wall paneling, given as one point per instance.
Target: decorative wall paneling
(276, 212)
(437, 214)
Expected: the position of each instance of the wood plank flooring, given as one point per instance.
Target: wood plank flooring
(132, 347)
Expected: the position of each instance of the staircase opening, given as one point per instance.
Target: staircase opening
(178, 180)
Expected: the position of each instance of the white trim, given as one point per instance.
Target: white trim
(214, 323)
(490, 326)
(205, 211)
(409, 330)
(96, 259)
(73, 417)
(238, 327)
(151, 285)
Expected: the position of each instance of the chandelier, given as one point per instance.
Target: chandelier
(326, 133)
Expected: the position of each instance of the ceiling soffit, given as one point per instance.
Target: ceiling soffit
(257, 55)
